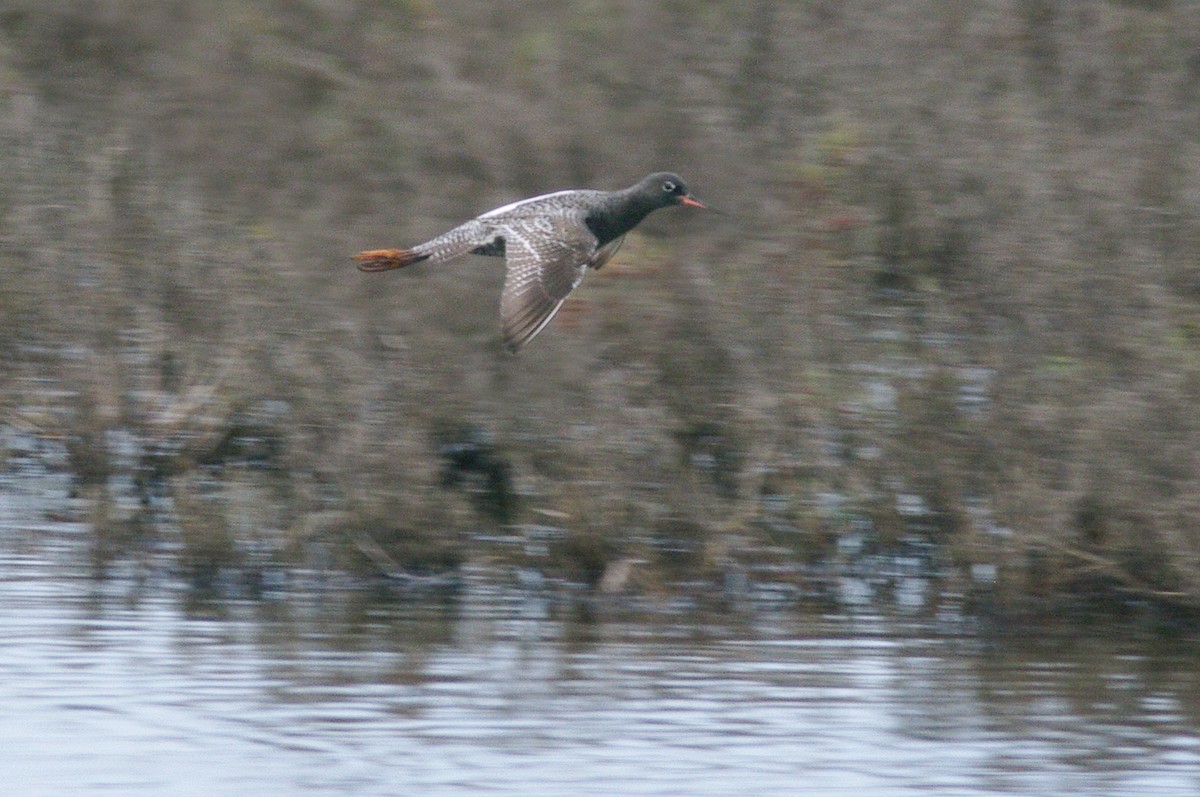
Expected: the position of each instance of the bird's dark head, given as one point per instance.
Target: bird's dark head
(618, 212)
(665, 189)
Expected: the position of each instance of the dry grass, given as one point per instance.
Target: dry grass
(959, 269)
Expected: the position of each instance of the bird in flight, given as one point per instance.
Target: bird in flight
(548, 243)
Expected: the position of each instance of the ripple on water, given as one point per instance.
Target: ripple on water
(107, 688)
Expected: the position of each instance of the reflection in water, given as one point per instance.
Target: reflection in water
(124, 689)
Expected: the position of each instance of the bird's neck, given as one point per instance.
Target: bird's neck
(618, 214)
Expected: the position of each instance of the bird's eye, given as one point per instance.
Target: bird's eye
(669, 186)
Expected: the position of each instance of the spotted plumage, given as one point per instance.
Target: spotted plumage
(548, 242)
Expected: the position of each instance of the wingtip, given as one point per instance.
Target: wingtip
(513, 341)
(523, 324)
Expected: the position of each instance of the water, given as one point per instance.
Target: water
(134, 687)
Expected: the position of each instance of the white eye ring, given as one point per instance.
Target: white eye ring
(668, 186)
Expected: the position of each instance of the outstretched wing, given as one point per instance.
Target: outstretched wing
(547, 258)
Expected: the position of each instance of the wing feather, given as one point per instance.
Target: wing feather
(546, 260)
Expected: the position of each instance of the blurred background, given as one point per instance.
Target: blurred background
(953, 300)
(951, 307)
(941, 348)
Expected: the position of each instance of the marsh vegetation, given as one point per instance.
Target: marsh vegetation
(952, 313)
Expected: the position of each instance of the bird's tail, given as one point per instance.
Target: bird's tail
(387, 259)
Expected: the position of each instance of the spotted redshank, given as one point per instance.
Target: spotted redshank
(548, 243)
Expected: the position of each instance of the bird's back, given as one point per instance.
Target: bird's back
(559, 203)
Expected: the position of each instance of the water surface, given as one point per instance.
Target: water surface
(134, 687)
